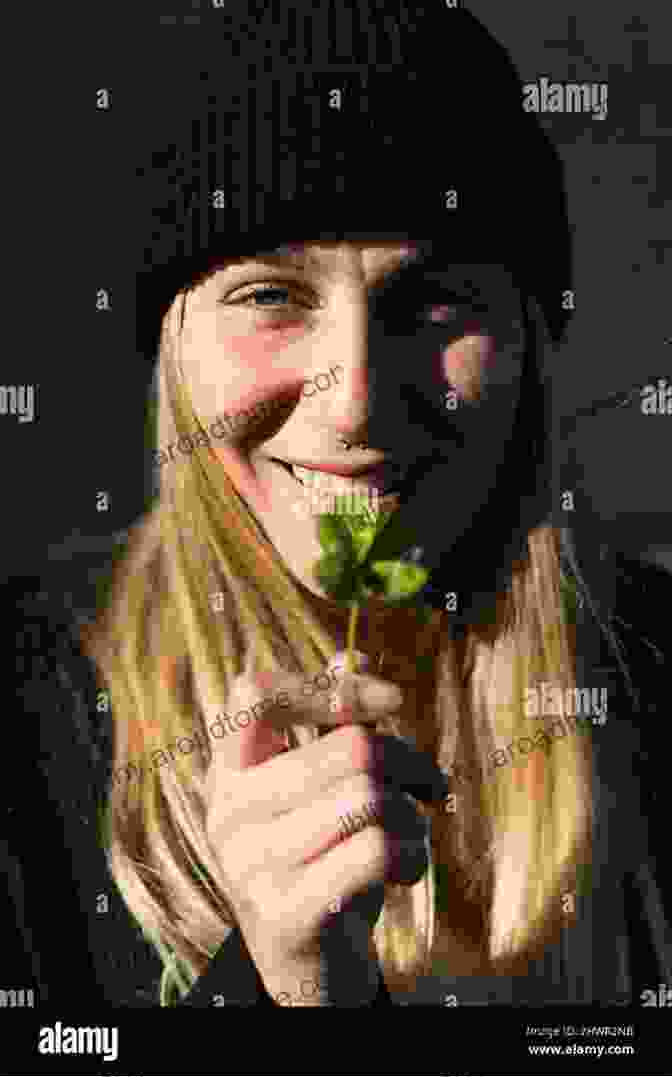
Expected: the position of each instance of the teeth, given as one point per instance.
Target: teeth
(309, 477)
(303, 474)
(323, 480)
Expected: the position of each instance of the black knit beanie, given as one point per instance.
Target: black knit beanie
(259, 124)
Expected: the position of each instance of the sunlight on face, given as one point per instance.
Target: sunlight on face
(310, 345)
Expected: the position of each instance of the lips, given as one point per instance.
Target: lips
(385, 478)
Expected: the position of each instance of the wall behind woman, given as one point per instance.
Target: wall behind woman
(83, 449)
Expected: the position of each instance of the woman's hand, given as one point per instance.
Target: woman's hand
(283, 825)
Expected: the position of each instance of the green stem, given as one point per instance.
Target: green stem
(352, 629)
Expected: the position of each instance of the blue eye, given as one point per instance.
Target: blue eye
(448, 308)
(264, 293)
(265, 297)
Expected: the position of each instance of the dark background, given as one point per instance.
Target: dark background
(88, 432)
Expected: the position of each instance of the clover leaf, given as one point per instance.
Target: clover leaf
(336, 573)
(348, 573)
(400, 580)
(333, 534)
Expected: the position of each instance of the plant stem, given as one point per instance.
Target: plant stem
(352, 629)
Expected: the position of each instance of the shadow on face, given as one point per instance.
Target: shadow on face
(385, 344)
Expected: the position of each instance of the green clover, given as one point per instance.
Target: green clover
(400, 580)
(361, 558)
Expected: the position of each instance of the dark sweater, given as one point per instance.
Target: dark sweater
(72, 927)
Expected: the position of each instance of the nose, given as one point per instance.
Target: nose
(348, 405)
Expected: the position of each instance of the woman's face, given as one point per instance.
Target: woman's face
(384, 344)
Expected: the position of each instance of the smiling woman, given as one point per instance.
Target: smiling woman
(281, 241)
(273, 351)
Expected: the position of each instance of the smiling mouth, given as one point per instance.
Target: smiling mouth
(397, 483)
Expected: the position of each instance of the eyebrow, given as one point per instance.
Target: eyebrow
(298, 257)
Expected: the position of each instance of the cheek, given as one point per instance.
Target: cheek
(467, 364)
(241, 371)
(240, 379)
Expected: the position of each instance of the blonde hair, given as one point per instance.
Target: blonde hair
(510, 850)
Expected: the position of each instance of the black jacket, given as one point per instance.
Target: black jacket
(72, 927)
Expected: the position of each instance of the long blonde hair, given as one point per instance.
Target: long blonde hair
(509, 850)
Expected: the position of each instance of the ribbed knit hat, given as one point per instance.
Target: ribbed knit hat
(262, 124)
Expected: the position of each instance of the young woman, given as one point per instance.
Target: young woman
(421, 829)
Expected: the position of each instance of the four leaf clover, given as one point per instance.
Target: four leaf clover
(362, 557)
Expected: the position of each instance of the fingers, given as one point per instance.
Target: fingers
(310, 831)
(302, 854)
(369, 857)
(294, 778)
(297, 701)
(250, 729)
(353, 750)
